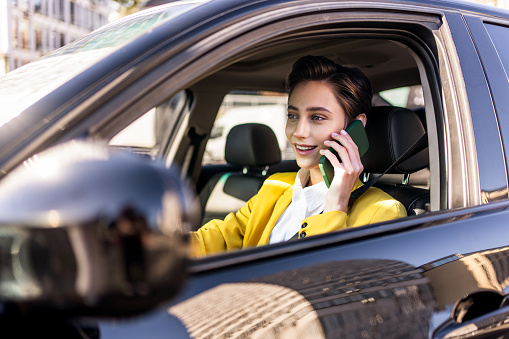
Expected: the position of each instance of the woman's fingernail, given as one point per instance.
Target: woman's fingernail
(343, 132)
(326, 142)
(334, 134)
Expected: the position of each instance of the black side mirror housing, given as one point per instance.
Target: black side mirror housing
(87, 230)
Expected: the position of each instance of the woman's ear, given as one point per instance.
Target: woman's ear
(362, 117)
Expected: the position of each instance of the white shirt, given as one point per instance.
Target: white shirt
(306, 201)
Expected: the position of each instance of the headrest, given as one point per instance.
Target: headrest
(252, 145)
(391, 132)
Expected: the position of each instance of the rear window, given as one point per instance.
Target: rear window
(409, 97)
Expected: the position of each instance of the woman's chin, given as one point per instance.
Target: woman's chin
(309, 165)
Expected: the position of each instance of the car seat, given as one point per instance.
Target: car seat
(252, 146)
(391, 132)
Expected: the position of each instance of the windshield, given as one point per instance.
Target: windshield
(22, 87)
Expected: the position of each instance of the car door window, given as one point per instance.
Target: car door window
(150, 132)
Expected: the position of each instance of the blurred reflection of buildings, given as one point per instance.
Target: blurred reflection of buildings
(250, 310)
(347, 299)
(486, 270)
(30, 29)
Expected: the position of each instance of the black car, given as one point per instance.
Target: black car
(93, 235)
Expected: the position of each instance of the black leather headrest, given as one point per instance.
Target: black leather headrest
(391, 132)
(252, 145)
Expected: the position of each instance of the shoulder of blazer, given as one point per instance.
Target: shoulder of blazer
(285, 177)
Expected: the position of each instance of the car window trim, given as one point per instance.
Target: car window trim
(474, 98)
(499, 87)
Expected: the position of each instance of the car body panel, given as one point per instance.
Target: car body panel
(422, 255)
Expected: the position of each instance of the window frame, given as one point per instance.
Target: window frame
(328, 239)
(472, 113)
(498, 83)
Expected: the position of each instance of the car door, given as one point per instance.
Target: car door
(404, 278)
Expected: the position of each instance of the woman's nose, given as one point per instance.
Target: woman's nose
(302, 129)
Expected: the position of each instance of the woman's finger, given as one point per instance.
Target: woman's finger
(332, 157)
(343, 156)
(346, 150)
(353, 151)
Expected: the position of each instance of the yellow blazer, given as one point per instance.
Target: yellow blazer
(253, 223)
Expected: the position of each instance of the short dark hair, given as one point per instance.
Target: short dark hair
(351, 87)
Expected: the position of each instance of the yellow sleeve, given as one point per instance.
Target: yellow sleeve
(221, 235)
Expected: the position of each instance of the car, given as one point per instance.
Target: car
(94, 226)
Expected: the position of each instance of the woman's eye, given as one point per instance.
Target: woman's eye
(291, 116)
(317, 118)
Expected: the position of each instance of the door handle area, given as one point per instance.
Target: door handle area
(483, 314)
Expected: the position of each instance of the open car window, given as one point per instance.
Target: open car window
(216, 190)
(150, 133)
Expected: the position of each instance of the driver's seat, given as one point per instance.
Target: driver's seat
(391, 132)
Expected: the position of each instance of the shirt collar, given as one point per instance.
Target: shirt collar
(313, 195)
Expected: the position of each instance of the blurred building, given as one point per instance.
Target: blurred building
(30, 29)
(498, 3)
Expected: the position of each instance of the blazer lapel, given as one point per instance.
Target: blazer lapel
(279, 208)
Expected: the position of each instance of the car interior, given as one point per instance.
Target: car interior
(251, 149)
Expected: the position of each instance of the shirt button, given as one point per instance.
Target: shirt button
(304, 225)
(303, 235)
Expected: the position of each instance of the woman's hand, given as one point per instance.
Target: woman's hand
(346, 172)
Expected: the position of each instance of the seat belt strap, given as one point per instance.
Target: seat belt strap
(416, 147)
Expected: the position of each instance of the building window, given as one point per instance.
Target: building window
(15, 29)
(24, 31)
(38, 40)
(56, 12)
(90, 19)
(61, 10)
(37, 6)
(78, 16)
(73, 12)
(56, 39)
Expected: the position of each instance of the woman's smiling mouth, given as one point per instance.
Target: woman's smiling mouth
(302, 149)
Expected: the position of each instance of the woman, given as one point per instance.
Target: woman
(324, 98)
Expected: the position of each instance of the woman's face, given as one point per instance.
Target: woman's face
(313, 115)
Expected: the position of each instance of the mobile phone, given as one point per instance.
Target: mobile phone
(358, 134)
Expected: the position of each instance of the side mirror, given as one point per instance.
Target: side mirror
(89, 230)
